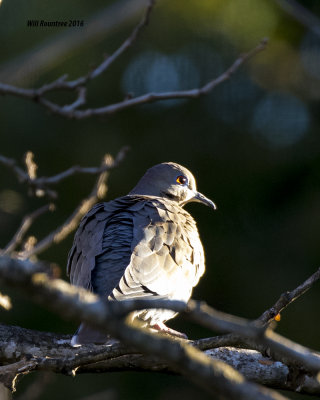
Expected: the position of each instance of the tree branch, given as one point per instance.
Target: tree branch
(126, 44)
(27, 221)
(288, 297)
(280, 347)
(301, 14)
(80, 305)
(42, 183)
(52, 352)
(78, 85)
(98, 193)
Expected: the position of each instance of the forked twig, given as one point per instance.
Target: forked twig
(288, 297)
(98, 192)
(27, 221)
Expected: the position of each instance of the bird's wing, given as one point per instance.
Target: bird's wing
(87, 245)
(166, 255)
(137, 247)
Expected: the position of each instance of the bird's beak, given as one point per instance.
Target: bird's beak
(200, 198)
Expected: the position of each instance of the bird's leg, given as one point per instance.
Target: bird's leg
(161, 327)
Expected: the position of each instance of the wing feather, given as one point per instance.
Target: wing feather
(137, 246)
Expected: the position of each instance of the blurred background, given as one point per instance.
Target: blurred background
(253, 145)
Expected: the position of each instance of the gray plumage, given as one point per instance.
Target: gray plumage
(141, 245)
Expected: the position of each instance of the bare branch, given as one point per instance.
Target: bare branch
(196, 311)
(27, 221)
(52, 352)
(79, 101)
(12, 164)
(126, 44)
(72, 111)
(78, 304)
(98, 193)
(78, 84)
(301, 14)
(280, 347)
(51, 51)
(31, 165)
(76, 169)
(288, 297)
(41, 184)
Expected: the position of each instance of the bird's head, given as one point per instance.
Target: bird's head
(173, 182)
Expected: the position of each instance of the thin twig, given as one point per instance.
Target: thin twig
(125, 45)
(41, 183)
(72, 111)
(152, 97)
(12, 164)
(301, 14)
(98, 193)
(78, 84)
(27, 221)
(288, 297)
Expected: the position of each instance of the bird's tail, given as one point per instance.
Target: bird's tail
(85, 335)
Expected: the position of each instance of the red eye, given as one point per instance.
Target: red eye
(182, 180)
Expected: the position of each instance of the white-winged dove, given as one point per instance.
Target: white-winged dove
(141, 245)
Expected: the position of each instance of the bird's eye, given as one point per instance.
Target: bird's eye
(182, 180)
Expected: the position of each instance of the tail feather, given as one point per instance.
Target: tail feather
(86, 335)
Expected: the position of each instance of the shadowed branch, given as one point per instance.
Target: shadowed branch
(78, 304)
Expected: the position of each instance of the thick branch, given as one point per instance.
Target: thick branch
(252, 332)
(79, 305)
(52, 352)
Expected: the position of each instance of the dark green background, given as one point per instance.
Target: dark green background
(253, 145)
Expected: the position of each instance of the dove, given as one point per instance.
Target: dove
(142, 245)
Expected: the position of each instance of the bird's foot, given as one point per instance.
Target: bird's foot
(162, 328)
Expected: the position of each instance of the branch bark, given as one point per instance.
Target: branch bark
(52, 352)
(80, 305)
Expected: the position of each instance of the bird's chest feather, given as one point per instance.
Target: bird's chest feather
(166, 249)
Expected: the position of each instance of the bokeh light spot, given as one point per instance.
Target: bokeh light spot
(246, 20)
(155, 72)
(10, 201)
(233, 101)
(280, 119)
